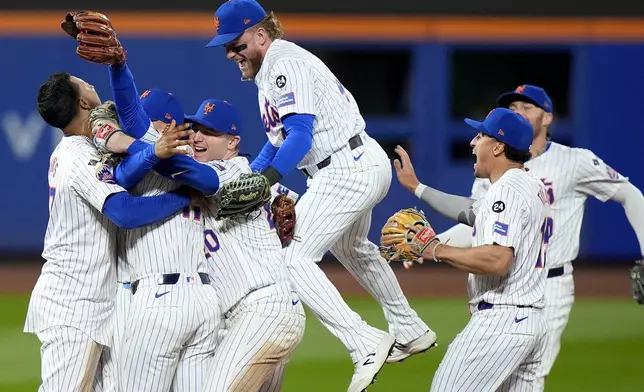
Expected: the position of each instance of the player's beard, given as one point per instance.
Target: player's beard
(252, 68)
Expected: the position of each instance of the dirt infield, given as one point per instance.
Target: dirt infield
(434, 281)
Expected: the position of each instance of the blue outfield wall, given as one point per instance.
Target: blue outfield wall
(607, 98)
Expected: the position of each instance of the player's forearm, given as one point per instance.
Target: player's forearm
(134, 167)
(483, 260)
(131, 212)
(451, 206)
(459, 236)
(265, 157)
(185, 170)
(119, 143)
(134, 120)
(632, 200)
(298, 141)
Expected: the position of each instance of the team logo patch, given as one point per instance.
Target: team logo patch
(498, 206)
(286, 99)
(501, 228)
(105, 173)
(280, 81)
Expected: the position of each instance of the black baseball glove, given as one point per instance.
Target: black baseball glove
(637, 282)
(242, 196)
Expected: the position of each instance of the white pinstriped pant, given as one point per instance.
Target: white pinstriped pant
(170, 337)
(335, 214)
(107, 374)
(560, 295)
(69, 358)
(500, 349)
(261, 333)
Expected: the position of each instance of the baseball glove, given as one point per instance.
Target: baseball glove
(398, 243)
(283, 210)
(96, 38)
(637, 282)
(243, 196)
(104, 122)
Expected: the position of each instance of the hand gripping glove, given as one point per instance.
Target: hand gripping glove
(398, 243)
(96, 38)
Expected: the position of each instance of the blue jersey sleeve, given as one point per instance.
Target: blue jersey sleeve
(132, 117)
(130, 212)
(298, 141)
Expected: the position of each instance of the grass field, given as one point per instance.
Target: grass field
(602, 349)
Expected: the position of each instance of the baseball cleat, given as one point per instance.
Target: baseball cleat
(416, 346)
(368, 367)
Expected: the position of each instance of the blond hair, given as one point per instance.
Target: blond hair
(272, 26)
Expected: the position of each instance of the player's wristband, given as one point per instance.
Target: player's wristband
(420, 188)
(272, 175)
(434, 252)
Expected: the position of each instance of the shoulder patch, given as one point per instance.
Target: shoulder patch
(280, 81)
(498, 206)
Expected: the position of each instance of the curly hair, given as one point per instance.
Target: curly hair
(272, 26)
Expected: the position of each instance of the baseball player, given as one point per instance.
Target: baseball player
(570, 176)
(264, 319)
(71, 304)
(501, 346)
(313, 123)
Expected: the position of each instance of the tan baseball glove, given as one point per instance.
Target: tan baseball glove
(398, 243)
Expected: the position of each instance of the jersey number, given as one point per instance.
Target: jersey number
(546, 234)
(52, 196)
(549, 190)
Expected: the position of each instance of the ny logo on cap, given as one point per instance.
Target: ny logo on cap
(520, 89)
(216, 22)
(145, 94)
(208, 108)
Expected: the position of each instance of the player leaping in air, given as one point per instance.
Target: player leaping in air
(313, 123)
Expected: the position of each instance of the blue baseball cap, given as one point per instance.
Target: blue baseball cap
(526, 92)
(162, 106)
(233, 18)
(507, 126)
(219, 116)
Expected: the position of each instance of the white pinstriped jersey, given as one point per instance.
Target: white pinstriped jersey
(512, 213)
(293, 80)
(570, 176)
(171, 245)
(76, 285)
(243, 254)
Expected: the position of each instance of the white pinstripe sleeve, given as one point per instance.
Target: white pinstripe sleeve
(291, 82)
(85, 183)
(594, 177)
(227, 170)
(505, 218)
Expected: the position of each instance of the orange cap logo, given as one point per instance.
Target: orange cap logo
(216, 22)
(208, 108)
(520, 89)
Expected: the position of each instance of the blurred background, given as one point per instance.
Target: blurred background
(416, 68)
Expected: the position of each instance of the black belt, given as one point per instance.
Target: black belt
(554, 272)
(170, 279)
(486, 305)
(354, 143)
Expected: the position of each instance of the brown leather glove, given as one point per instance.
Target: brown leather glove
(96, 38)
